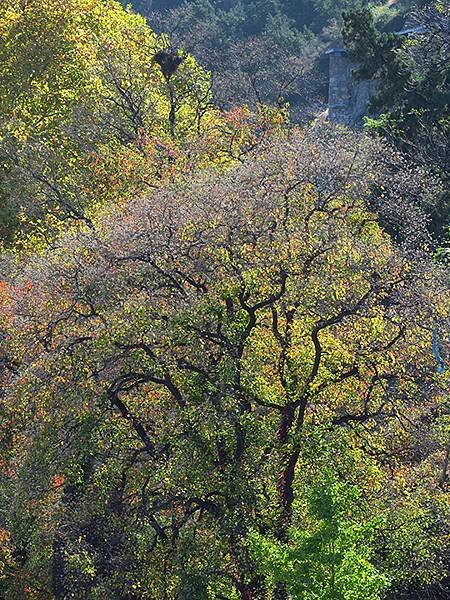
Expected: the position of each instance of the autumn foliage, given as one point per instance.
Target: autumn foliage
(218, 379)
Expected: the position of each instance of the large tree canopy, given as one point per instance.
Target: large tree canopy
(186, 381)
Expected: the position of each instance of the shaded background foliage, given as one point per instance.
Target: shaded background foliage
(271, 50)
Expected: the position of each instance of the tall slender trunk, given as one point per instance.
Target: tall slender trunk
(172, 109)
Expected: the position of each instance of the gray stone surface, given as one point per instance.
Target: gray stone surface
(348, 99)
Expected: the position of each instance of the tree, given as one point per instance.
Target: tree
(81, 93)
(332, 559)
(176, 367)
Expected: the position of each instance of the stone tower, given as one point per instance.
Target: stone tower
(348, 99)
(339, 86)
